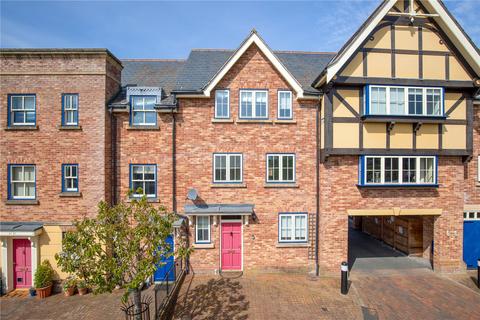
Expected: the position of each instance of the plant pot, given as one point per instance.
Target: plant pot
(70, 291)
(32, 292)
(44, 292)
(82, 291)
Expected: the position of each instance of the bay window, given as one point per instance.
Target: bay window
(398, 170)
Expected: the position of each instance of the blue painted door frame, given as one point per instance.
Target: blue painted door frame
(471, 242)
(168, 263)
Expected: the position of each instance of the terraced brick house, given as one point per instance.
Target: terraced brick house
(266, 156)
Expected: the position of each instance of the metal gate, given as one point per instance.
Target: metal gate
(471, 238)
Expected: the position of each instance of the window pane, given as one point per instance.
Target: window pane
(426, 170)
(17, 174)
(415, 101)
(19, 117)
(285, 227)
(136, 185)
(300, 228)
(137, 172)
(220, 168)
(17, 103)
(378, 100)
(137, 117)
(273, 168)
(150, 117)
(261, 104)
(391, 170)
(149, 173)
(433, 101)
(374, 173)
(18, 189)
(149, 188)
(285, 105)
(246, 104)
(235, 165)
(397, 101)
(150, 103)
(409, 170)
(221, 103)
(29, 103)
(30, 189)
(137, 103)
(29, 173)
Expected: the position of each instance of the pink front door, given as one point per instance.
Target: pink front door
(231, 246)
(22, 263)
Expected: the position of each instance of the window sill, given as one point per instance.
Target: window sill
(63, 127)
(281, 185)
(226, 120)
(229, 185)
(254, 121)
(130, 127)
(151, 200)
(21, 128)
(22, 202)
(68, 194)
(292, 245)
(388, 186)
(285, 121)
(403, 118)
(204, 245)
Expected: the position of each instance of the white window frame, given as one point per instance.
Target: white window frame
(71, 108)
(400, 171)
(143, 123)
(208, 229)
(293, 217)
(254, 109)
(136, 195)
(228, 104)
(406, 89)
(280, 167)
(12, 111)
(227, 167)
(471, 215)
(71, 177)
(290, 106)
(24, 182)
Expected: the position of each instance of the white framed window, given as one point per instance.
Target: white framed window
(70, 178)
(471, 215)
(280, 168)
(143, 111)
(70, 110)
(398, 170)
(409, 101)
(227, 167)
(202, 229)
(292, 227)
(253, 104)
(22, 110)
(285, 105)
(22, 182)
(222, 104)
(144, 177)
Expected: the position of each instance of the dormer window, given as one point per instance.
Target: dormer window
(403, 101)
(142, 112)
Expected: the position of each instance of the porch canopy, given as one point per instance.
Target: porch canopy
(219, 209)
(23, 229)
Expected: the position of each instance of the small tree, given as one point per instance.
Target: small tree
(122, 245)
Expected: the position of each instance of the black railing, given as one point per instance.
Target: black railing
(167, 287)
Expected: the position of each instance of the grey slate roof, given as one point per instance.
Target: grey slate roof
(202, 65)
(223, 209)
(20, 226)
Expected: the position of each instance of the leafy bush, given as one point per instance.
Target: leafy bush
(70, 282)
(44, 275)
(81, 284)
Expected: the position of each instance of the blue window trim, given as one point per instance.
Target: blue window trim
(130, 182)
(361, 174)
(9, 182)
(293, 241)
(294, 167)
(9, 113)
(253, 104)
(213, 167)
(215, 105)
(63, 109)
(130, 114)
(278, 104)
(64, 189)
(209, 231)
(366, 90)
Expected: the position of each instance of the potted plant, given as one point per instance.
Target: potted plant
(69, 286)
(43, 279)
(82, 287)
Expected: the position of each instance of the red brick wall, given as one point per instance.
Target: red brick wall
(338, 178)
(48, 147)
(472, 186)
(198, 138)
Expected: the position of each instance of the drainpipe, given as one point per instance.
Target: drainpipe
(317, 169)
(113, 133)
(174, 164)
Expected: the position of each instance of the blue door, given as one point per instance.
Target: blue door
(168, 265)
(471, 242)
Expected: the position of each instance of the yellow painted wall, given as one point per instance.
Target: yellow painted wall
(406, 37)
(406, 66)
(381, 39)
(427, 136)
(345, 135)
(374, 135)
(434, 67)
(432, 42)
(50, 243)
(355, 67)
(454, 136)
(379, 65)
(401, 136)
(460, 111)
(351, 97)
(457, 72)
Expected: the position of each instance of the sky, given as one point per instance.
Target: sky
(170, 29)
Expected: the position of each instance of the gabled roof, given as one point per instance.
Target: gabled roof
(206, 67)
(444, 19)
(202, 65)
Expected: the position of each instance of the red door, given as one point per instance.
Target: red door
(22, 263)
(232, 246)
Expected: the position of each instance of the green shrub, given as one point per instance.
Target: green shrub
(81, 284)
(44, 275)
(70, 282)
